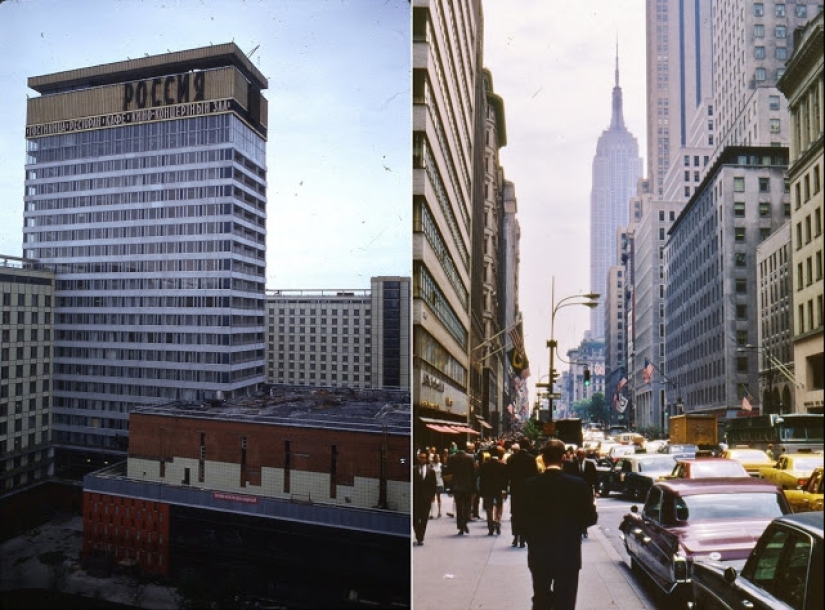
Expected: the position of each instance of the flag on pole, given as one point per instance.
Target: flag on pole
(517, 356)
(647, 372)
(622, 384)
(746, 403)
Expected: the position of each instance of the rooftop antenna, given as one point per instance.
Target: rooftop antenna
(252, 52)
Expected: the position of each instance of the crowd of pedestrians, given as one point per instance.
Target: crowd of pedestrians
(552, 495)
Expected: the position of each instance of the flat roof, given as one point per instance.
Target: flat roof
(204, 58)
(350, 409)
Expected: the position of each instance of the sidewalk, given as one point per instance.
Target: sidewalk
(478, 571)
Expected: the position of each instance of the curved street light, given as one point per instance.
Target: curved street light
(591, 302)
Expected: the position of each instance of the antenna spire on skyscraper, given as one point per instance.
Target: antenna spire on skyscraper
(617, 59)
(617, 120)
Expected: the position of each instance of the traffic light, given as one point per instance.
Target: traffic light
(586, 377)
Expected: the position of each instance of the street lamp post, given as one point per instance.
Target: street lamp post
(552, 344)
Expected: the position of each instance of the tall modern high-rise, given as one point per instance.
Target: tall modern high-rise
(680, 115)
(146, 192)
(447, 43)
(617, 168)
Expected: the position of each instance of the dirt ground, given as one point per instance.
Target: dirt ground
(48, 557)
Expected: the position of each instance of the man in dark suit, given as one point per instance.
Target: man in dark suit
(462, 466)
(492, 487)
(557, 508)
(585, 469)
(520, 467)
(423, 494)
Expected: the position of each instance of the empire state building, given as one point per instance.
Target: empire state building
(617, 168)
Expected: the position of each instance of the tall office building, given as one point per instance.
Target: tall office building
(679, 119)
(447, 43)
(146, 191)
(26, 345)
(616, 171)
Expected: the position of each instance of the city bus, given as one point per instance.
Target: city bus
(787, 433)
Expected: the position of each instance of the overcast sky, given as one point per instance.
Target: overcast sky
(339, 146)
(553, 64)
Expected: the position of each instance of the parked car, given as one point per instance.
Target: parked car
(605, 447)
(633, 475)
(703, 468)
(792, 470)
(751, 459)
(687, 519)
(810, 497)
(679, 450)
(783, 572)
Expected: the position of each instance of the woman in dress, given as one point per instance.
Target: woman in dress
(439, 481)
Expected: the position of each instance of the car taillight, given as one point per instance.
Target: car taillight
(680, 570)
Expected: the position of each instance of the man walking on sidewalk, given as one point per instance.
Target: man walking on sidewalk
(585, 469)
(462, 467)
(557, 508)
(423, 494)
(520, 467)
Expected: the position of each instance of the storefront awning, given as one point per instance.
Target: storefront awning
(447, 427)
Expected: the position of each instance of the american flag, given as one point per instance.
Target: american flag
(746, 403)
(647, 372)
(622, 384)
(517, 355)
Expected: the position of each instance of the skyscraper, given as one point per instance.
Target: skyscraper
(146, 192)
(616, 169)
(447, 43)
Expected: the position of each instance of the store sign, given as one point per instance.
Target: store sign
(166, 91)
(432, 382)
(219, 495)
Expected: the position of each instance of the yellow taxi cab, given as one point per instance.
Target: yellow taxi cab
(751, 459)
(810, 497)
(792, 470)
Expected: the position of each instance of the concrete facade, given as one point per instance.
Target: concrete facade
(803, 86)
(26, 351)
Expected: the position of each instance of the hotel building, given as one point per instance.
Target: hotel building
(146, 191)
(346, 338)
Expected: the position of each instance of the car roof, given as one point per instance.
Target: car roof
(705, 459)
(811, 521)
(687, 487)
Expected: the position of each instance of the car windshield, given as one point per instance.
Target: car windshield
(739, 505)
(808, 463)
(751, 456)
(717, 469)
(682, 449)
(662, 463)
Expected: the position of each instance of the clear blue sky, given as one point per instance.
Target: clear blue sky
(339, 145)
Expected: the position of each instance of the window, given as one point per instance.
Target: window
(687, 161)
(764, 185)
(801, 10)
(739, 234)
(774, 125)
(739, 209)
(759, 52)
(781, 52)
(739, 259)
(780, 31)
(764, 209)
(739, 185)
(773, 102)
(780, 10)
(741, 286)
(758, 9)
(760, 74)
(759, 31)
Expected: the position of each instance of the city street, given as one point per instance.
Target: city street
(478, 571)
